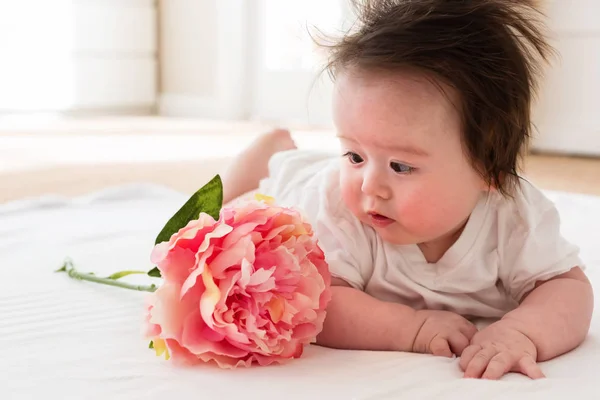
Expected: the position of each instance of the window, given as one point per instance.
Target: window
(287, 41)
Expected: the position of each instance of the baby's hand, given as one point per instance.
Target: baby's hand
(499, 349)
(442, 333)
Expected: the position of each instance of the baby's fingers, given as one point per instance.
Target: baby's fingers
(440, 347)
(528, 366)
(468, 329)
(499, 365)
(467, 355)
(458, 343)
(479, 362)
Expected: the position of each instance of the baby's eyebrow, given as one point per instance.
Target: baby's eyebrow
(407, 149)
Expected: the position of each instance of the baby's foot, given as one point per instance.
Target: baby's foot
(249, 167)
(253, 162)
(273, 142)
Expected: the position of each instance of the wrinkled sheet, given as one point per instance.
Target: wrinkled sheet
(61, 338)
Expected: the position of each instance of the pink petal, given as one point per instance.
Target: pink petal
(301, 301)
(168, 311)
(252, 328)
(179, 354)
(253, 211)
(195, 230)
(243, 248)
(293, 350)
(199, 269)
(269, 360)
(197, 338)
(219, 232)
(159, 252)
(260, 276)
(150, 330)
(280, 258)
(239, 232)
(231, 332)
(311, 290)
(274, 232)
(305, 332)
(264, 287)
(256, 301)
(209, 298)
(276, 308)
(303, 316)
(208, 302)
(289, 313)
(246, 269)
(195, 330)
(177, 265)
(227, 283)
(226, 362)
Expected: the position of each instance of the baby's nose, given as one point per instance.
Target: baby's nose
(374, 187)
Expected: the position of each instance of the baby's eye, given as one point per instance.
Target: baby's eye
(353, 157)
(401, 168)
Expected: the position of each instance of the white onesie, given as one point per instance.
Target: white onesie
(507, 245)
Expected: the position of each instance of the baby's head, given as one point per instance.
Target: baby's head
(432, 104)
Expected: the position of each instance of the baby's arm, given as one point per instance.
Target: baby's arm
(356, 320)
(551, 320)
(556, 314)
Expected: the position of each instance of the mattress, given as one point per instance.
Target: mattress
(67, 339)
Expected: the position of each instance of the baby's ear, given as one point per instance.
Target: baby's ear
(488, 187)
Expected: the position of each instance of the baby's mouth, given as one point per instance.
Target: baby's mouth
(378, 219)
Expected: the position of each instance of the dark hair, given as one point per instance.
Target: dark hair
(489, 51)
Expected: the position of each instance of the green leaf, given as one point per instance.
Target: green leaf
(120, 274)
(65, 265)
(151, 345)
(208, 199)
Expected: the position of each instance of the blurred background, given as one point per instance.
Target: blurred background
(97, 93)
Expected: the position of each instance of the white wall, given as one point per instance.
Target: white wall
(567, 115)
(69, 55)
(206, 71)
(188, 47)
(202, 58)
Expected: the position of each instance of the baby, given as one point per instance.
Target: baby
(424, 220)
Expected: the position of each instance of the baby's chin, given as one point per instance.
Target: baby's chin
(397, 234)
(392, 234)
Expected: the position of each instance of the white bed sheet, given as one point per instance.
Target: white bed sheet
(60, 338)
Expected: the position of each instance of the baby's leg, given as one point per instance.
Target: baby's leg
(250, 166)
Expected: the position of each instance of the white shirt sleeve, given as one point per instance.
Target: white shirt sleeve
(346, 243)
(309, 181)
(531, 245)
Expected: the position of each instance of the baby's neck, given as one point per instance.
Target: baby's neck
(434, 250)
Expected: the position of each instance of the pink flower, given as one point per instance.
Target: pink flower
(249, 288)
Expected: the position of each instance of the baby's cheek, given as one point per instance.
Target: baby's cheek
(349, 191)
(437, 218)
(411, 213)
(419, 214)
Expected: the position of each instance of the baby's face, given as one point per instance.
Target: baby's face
(404, 170)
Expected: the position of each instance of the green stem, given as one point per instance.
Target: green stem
(69, 268)
(120, 274)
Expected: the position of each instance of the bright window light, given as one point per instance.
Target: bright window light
(36, 55)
